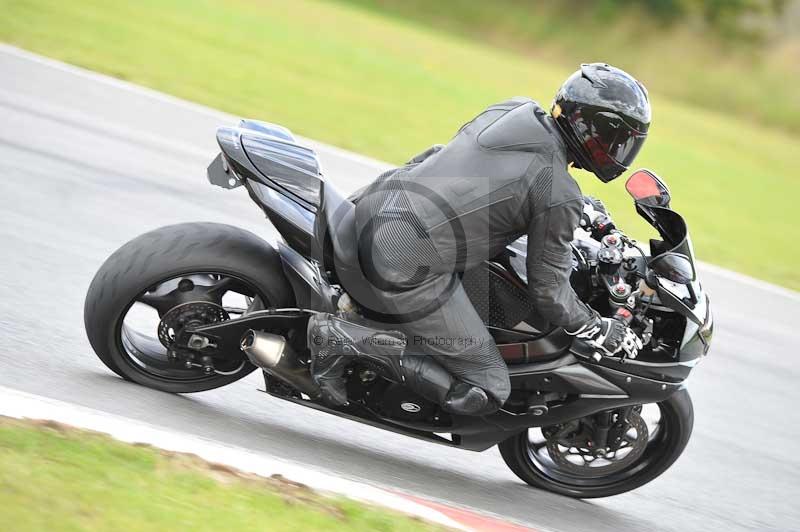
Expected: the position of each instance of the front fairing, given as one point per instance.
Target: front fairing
(689, 299)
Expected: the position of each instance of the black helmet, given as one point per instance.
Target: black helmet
(603, 114)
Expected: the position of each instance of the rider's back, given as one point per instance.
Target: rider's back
(479, 192)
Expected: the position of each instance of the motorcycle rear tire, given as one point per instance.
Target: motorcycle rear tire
(166, 253)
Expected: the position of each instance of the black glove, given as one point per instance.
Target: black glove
(595, 218)
(609, 337)
(596, 204)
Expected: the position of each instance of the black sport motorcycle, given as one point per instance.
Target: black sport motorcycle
(195, 306)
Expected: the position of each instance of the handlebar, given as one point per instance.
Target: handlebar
(624, 316)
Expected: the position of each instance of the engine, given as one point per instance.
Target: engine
(389, 399)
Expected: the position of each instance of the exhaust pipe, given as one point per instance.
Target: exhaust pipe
(271, 353)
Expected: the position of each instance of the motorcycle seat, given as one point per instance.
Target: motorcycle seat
(335, 231)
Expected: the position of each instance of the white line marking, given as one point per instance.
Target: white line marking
(173, 100)
(16, 404)
(750, 281)
(22, 103)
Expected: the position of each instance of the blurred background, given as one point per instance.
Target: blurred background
(387, 78)
(87, 163)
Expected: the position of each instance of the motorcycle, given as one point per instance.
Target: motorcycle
(196, 306)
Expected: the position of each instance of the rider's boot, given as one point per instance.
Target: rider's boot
(433, 382)
(334, 341)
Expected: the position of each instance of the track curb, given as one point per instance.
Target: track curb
(22, 405)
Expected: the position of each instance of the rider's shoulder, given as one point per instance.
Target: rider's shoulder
(511, 103)
(516, 125)
(564, 187)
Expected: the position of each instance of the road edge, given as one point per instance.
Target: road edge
(23, 405)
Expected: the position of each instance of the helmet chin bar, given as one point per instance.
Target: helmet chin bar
(605, 179)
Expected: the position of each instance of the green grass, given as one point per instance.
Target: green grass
(389, 88)
(61, 479)
(685, 61)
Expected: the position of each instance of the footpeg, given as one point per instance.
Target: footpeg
(536, 405)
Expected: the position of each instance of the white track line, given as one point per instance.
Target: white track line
(750, 281)
(167, 98)
(20, 405)
(379, 166)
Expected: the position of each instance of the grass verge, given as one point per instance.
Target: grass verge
(686, 61)
(389, 87)
(53, 477)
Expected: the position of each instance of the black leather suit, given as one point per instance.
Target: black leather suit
(502, 176)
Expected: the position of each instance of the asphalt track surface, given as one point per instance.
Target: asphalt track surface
(87, 163)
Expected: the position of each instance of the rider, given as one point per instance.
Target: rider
(503, 175)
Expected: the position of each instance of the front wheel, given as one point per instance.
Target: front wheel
(639, 443)
(177, 277)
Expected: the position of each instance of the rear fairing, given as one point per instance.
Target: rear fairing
(268, 154)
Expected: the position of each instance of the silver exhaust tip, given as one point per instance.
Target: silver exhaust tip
(274, 355)
(265, 350)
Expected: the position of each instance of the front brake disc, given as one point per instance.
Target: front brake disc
(579, 458)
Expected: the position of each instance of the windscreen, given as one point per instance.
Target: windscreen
(673, 230)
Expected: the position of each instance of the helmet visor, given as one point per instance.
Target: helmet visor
(620, 140)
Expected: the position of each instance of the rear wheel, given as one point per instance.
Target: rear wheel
(636, 446)
(177, 277)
